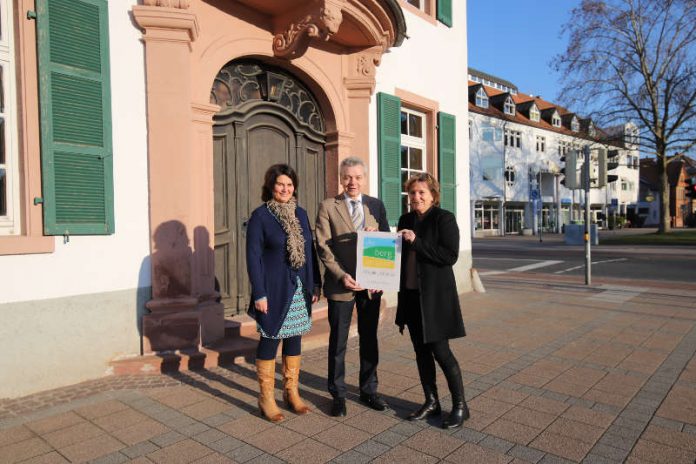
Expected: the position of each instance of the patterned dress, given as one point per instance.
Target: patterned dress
(297, 321)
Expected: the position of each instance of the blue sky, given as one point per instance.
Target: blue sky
(517, 39)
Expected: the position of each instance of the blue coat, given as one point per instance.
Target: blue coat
(270, 273)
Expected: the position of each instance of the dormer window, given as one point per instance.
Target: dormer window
(534, 114)
(574, 124)
(591, 130)
(509, 106)
(481, 98)
(556, 119)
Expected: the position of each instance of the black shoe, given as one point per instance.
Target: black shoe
(431, 407)
(338, 409)
(460, 413)
(374, 401)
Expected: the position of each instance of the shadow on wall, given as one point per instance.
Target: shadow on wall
(181, 311)
(143, 295)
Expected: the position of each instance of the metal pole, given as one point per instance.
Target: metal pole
(541, 209)
(588, 229)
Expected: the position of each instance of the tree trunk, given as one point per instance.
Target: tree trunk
(665, 217)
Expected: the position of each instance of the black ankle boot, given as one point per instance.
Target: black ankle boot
(430, 407)
(460, 411)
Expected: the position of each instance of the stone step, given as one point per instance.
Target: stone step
(237, 347)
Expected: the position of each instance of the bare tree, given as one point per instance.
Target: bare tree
(636, 60)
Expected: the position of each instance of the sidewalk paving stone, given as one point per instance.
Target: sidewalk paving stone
(553, 374)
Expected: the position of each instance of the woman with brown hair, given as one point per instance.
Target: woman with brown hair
(428, 301)
(284, 284)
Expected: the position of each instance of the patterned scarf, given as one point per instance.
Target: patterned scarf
(285, 213)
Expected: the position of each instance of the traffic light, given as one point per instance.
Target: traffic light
(691, 188)
(570, 170)
(608, 160)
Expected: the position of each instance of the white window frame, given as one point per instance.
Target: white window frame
(540, 143)
(509, 106)
(414, 142)
(534, 114)
(513, 138)
(481, 98)
(9, 223)
(556, 119)
(574, 124)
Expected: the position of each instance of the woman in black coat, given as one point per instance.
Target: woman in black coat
(428, 301)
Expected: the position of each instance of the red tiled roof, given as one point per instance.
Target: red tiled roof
(520, 118)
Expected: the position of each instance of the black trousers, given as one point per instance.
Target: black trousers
(340, 315)
(428, 353)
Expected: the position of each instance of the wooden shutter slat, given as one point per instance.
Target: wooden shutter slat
(389, 130)
(444, 12)
(447, 157)
(74, 92)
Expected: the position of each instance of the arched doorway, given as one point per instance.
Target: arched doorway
(267, 116)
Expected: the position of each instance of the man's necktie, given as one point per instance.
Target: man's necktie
(356, 215)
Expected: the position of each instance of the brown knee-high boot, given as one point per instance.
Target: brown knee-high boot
(291, 382)
(265, 370)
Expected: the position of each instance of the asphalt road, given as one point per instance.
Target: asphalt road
(515, 254)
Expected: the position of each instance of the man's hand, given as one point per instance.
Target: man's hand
(370, 229)
(261, 306)
(351, 284)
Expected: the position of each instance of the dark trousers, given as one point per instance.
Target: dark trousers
(340, 315)
(428, 353)
(268, 347)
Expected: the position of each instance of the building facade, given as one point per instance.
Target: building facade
(517, 143)
(136, 135)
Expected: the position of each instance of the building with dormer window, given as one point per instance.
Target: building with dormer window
(517, 142)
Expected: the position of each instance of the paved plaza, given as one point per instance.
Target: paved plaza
(554, 373)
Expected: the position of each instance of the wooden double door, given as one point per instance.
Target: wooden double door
(245, 144)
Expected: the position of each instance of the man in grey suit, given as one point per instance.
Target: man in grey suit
(338, 221)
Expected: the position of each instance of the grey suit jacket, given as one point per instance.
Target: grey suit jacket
(336, 240)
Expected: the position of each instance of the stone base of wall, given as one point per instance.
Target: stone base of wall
(57, 342)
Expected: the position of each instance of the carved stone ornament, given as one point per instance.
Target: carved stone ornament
(322, 25)
(181, 4)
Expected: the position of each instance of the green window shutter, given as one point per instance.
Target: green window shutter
(447, 157)
(389, 130)
(75, 100)
(444, 12)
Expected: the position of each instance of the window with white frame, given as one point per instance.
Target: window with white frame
(556, 119)
(481, 98)
(540, 143)
(591, 130)
(563, 147)
(491, 134)
(510, 176)
(509, 106)
(534, 114)
(413, 148)
(513, 138)
(574, 124)
(9, 190)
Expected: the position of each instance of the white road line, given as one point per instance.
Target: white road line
(528, 267)
(593, 262)
(617, 293)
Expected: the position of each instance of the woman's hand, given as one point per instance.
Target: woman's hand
(261, 305)
(408, 235)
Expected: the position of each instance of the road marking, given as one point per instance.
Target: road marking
(593, 262)
(528, 267)
(617, 293)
